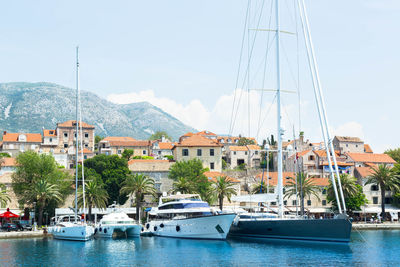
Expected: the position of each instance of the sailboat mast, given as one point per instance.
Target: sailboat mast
(278, 104)
(76, 134)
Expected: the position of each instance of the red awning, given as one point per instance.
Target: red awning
(8, 214)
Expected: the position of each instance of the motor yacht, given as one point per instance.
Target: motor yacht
(117, 223)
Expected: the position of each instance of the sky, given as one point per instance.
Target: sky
(182, 56)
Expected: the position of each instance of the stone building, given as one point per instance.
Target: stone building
(15, 143)
(345, 144)
(115, 145)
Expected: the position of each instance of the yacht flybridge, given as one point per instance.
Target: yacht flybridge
(187, 216)
(77, 230)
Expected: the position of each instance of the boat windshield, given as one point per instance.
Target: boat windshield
(116, 222)
(184, 206)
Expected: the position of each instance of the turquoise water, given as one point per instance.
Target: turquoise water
(380, 248)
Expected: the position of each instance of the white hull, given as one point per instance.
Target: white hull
(207, 227)
(131, 230)
(72, 232)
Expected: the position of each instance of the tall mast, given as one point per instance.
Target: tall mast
(278, 103)
(76, 134)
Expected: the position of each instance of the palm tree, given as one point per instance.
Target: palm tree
(383, 177)
(139, 185)
(43, 192)
(95, 196)
(304, 187)
(4, 198)
(183, 185)
(349, 187)
(223, 188)
(262, 188)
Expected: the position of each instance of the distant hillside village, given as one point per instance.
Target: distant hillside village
(241, 159)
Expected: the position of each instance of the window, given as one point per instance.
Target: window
(212, 152)
(374, 187)
(159, 152)
(375, 200)
(324, 191)
(294, 202)
(85, 156)
(234, 152)
(51, 140)
(347, 145)
(309, 202)
(199, 152)
(245, 152)
(323, 202)
(185, 152)
(356, 145)
(311, 157)
(65, 134)
(119, 151)
(284, 190)
(65, 145)
(86, 135)
(86, 145)
(256, 152)
(144, 152)
(211, 165)
(285, 202)
(75, 134)
(273, 203)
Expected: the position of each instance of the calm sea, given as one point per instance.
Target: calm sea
(371, 248)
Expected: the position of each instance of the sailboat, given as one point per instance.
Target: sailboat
(77, 230)
(280, 227)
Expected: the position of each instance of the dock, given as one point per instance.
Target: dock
(24, 234)
(376, 226)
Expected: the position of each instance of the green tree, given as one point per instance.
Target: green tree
(304, 188)
(4, 155)
(44, 191)
(352, 192)
(183, 185)
(4, 198)
(159, 134)
(383, 177)
(224, 165)
(193, 171)
(394, 154)
(262, 187)
(243, 141)
(271, 141)
(38, 179)
(138, 185)
(95, 196)
(127, 154)
(113, 171)
(97, 139)
(223, 188)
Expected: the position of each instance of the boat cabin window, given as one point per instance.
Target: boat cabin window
(184, 206)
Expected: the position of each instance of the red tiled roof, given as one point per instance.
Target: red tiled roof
(166, 145)
(238, 148)
(253, 147)
(322, 153)
(339, 163)
(198, 140)
(30, 137)
(205, 132)
(50, 133)
(72, 123)
(274, 179)
(118, 138)
(9, 162)
(86, 151)
(364, 171)
(371, 157)
(133, 161)
(137, 143)
(367, 149)
(214, 175)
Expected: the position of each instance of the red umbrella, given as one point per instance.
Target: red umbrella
(8, 214)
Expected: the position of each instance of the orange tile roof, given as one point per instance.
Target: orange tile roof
(205, 132)
(188, 134)
(30, 137)
(72, 123)
(274, 179)
(136, 143)
(339, 163)
(364, 171)
(367, 149)
(214, 175)
(253, 147)
(238, 148)
(198, 140)
(49, 133)
(86, 151)
(322, 153)
(166, 145)
(133, 161)
(348, 139)
(371, 157)
(118, 138)
(9, 162)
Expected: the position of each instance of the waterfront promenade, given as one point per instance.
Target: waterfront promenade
(376, 226)
(24, 234)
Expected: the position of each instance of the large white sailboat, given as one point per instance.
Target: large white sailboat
(284, 227)
(187, 216)
(78, 230)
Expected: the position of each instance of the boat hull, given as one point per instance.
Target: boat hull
(207, 227)
(110, 230)
(76, 232)
(322, 230)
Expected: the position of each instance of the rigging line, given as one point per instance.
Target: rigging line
(298, 63)
(247, 68)
(289, 65)
(265, 70)
(268, 110)
(239, 65)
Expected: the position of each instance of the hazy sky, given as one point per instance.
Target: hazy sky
(183, 57)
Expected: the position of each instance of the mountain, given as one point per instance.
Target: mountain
(28, 107)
